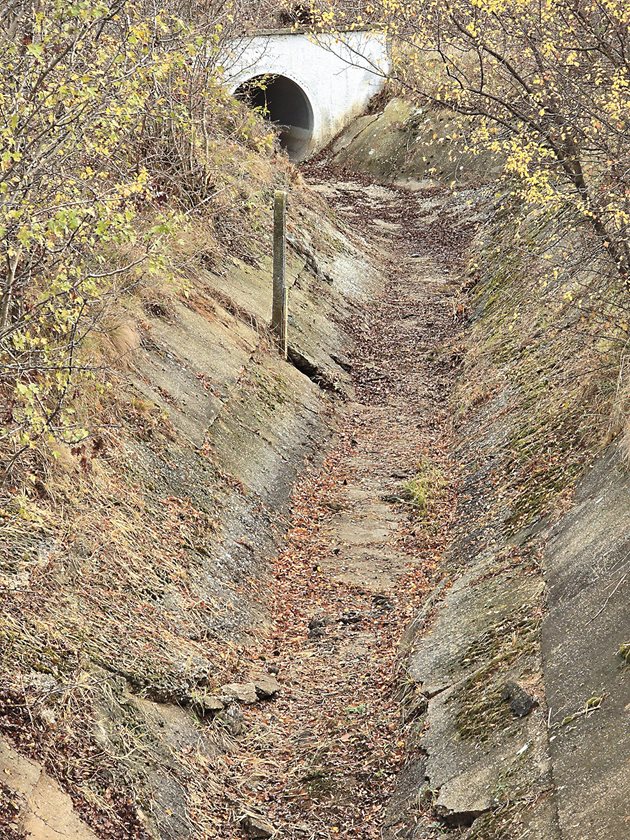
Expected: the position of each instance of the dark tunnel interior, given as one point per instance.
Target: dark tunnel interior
(283, 102)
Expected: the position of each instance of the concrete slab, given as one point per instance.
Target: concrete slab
(471, 620)
(588, 570)
(47, 812)
(274, 410)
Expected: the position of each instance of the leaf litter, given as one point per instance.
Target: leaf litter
(321, 760)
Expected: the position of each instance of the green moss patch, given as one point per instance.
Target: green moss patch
(509, 647)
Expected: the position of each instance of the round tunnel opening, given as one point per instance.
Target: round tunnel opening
(283, 102)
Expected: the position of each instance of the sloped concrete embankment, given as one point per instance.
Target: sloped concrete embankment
(126, 614)
(538, 565)
(587, 564)
(526, 692)
(520, 709)
(518, 658)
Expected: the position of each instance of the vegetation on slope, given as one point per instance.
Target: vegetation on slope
(532, 100)
(133, 193)
(116, 137)
(544, 85)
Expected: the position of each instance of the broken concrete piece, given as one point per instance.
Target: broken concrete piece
(47, 812)
(243, 692)
(465, 798)
(521, 703)
(457, 819)
(256, 827)
(210, 703)
(267, 686)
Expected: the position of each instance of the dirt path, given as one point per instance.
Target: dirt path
(321, 761)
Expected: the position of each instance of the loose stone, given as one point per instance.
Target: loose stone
(243, 692)
(521, 703)
(257, 827)
(267, 686)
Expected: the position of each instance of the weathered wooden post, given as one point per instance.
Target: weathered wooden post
(279, 312)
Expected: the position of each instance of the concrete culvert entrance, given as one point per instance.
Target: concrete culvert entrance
(284, 103)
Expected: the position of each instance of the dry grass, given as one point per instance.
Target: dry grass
(110, 588)
(509, 649)
(620, 413)
(104, 578)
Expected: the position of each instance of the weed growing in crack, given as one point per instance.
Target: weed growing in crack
(426, 489)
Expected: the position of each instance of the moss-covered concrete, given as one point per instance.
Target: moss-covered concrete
(413, 146)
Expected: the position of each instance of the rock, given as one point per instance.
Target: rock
(392, 498)
(232, 717)
(521, 703)
(383, 602)
(43, 683)
(317, 625)
(351, 618)
(48, 716)
(209, 704)
(267, 686)
(256, 827)
(335, 506)
(243, 692)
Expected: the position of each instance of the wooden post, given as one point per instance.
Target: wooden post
(279, 312)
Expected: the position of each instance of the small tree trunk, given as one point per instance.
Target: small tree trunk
(7, 295)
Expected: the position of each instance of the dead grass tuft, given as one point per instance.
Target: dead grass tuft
(620, 412)
(125, 339)
(625, 442)
(511, 649)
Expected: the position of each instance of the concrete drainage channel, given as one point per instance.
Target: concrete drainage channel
(504, 721)
(504, 713)
(352, 574)
(237, 424)
(476, 729)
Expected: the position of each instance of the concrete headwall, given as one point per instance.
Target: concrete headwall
(338, 74)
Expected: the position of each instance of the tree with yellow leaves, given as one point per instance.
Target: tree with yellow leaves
(545, 83)
(106, 110)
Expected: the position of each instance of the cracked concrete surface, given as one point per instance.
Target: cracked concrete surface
(46, 812)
